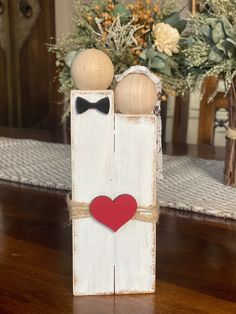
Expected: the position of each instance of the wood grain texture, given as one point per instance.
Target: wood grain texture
(113, 155)
(135, 174)
(230, 161)
(36, 76)
(3, 90)
(163, 119)
(6, 70)
(92, 150)
(92, 69)
(136, 94)
(29, 70)
(208, 110)
(196, 261)
(180, 127)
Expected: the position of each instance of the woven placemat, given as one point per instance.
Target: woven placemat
(190, 184)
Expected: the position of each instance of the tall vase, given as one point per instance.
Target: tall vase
(230, 162)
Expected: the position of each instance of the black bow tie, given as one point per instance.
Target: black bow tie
(83, 105)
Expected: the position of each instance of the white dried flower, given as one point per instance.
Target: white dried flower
(166, 38)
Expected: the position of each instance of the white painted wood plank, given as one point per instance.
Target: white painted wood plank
(135, 174)
(92, 144)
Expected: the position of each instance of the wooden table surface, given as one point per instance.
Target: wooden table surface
(196, 260)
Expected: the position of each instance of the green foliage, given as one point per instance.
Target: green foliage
(158, 62)
(168, 7)
(207, 46)
(121, 39)
(225, 8)
(174, 20)
(209, 43)
(164, 65)
(122, 11)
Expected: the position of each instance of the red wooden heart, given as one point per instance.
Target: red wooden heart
(113, 214)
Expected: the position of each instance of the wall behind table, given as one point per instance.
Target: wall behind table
(63, 13)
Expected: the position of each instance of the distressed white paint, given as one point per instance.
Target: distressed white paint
(135, 174)
(113, 155)
(92, 144)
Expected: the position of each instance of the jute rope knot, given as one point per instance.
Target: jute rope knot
(231, 133)
(79, 210)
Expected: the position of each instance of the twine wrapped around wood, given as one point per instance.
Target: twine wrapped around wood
(231, 133)
(79, 210)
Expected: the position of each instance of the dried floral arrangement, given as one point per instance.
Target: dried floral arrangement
(141, 32)
(208, 46)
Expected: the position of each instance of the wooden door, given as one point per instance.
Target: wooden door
(26, 68)
(4, 60)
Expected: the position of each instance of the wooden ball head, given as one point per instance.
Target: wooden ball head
(92, 69)
(136, 94)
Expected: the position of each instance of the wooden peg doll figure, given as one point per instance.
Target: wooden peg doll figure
(92, 69)
(114, 203)
(138, 162)
(92, 143)
(141, 89)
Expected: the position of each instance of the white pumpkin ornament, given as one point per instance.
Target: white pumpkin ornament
(92, 69)
(136, 91)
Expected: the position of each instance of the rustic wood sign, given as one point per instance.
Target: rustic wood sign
(113, 161)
